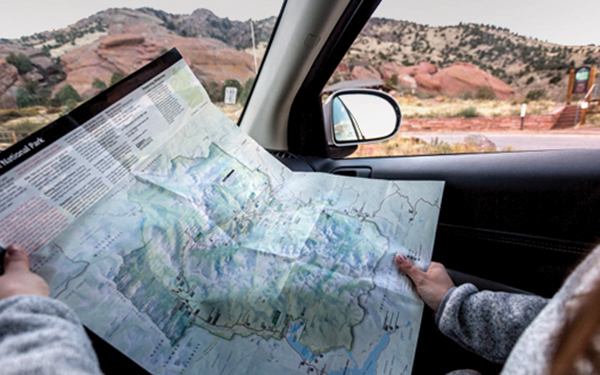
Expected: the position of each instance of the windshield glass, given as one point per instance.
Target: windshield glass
(56, 55)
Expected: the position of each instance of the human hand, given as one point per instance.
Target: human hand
(432, 285)
(17, 278)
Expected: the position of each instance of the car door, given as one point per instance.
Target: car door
(521, 220)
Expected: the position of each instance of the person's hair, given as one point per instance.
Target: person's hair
(576, 351)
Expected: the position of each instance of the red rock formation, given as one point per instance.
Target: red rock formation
(9, 83)
(455, 80)
(389, 69)
(121, 40)
(464, 77)
(210, 59)
(343, 67)
(362, 72)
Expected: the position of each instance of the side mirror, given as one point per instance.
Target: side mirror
(357, 116)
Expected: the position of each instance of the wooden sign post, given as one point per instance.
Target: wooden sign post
(586, 101)
(570, 88)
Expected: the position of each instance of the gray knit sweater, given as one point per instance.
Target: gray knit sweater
(39, 335)
(517, 330)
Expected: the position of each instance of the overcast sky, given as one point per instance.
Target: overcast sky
(563, 22)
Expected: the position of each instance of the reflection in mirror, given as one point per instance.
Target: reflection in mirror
(361, 116)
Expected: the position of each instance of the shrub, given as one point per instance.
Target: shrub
(212, 88)
(99, 84)
(556, 79)
(24, 98)
(529, 81)
(20, 61)
(393, 81)
(537, 94)
(468, 95)
(116, 77)
(24, 126)
(10, 114)
(485, 93)
(66, 93)
(231, 83)
(70, 104)
(468, 112)
(245, 94)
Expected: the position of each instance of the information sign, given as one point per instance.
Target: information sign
(582, 78)
(230, 95)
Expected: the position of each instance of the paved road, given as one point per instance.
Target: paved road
(521, 140)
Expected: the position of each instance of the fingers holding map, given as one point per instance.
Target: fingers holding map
(181, 242)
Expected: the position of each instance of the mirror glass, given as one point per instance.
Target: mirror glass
(360, 117)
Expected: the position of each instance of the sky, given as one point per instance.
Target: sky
(562, 22)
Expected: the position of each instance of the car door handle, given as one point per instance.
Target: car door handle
(460, 278)
(354, 172)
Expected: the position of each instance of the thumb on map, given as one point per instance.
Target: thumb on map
(15, 260)
(406, 266)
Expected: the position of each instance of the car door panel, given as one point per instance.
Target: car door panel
(509, 221)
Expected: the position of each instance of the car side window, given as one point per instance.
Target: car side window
(469, 87)
(48, 68)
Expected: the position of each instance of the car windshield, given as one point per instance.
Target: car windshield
(54, 56)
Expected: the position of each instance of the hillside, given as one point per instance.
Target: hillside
(97, 50)
(523, 63)
(450, 60)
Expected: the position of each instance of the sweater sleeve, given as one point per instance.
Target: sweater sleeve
(40, 335)
(487, 323)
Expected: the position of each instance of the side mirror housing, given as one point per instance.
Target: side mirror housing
(359, 116)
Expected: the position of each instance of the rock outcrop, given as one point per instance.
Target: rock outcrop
(210, 59)
(460, 78)
(43, 70)
(455, 80)
(362, 72)
(10, 81)
(43, 64)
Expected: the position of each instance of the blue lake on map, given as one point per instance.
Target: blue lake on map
(370, 366)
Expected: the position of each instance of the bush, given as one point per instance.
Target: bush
(468, 95)
(212, 88)
(529, 81)
(468, 112)
(20, 61)
(99, 84)
(485, 93)
(24, 126)
(537, 94)
(70, 105)
(10, 114)
(556, 79)
(231, 83)
(393, 81)
(245, 94)
(24, 98)
(66, 93)
(116, 77)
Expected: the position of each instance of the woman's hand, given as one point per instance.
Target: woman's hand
(17, 278)
(432, 285)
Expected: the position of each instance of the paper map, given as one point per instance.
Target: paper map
(180, 241)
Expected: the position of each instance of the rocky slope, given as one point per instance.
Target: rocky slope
(523, 63)
(44, 72)
(451, 60)
(459, 79)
